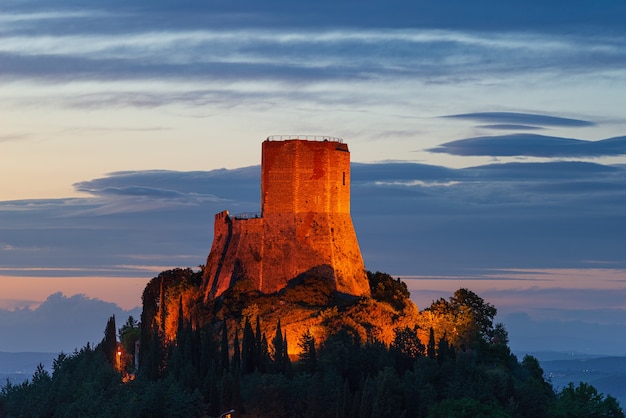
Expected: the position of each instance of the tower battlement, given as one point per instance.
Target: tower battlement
(304, 226)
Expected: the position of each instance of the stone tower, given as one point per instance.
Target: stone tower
(304, 227)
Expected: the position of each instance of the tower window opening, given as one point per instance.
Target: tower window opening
(343, 178)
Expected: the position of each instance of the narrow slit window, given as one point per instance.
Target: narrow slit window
(344, 178)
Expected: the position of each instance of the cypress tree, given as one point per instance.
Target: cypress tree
(279, 351)
(206, 351)
(151, 367)
(431, 348)
(109, 342)
(162, 308)
(180, 328)
(264, 355)
(367, 397)
(236, 352)
(177, 359)
(248, 349)
(224, 347)
(286, 366)
(258, 339)
(277, 342)
(445, 351)
(214, 405)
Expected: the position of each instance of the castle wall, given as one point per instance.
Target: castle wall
(305, 176)
(215, 260)
(236, 253)
(305, 226)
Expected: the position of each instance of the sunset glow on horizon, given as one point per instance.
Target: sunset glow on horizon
(487, 141)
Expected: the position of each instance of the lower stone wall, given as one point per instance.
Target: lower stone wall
(279, 247)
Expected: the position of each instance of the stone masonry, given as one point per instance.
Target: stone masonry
(304, 227)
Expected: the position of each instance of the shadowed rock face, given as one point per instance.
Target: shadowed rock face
(304, 224)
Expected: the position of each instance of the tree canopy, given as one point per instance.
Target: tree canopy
(452, 362)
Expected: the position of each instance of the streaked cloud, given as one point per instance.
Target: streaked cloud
(517, 119)
(217, 76)
(503, 230)
(131, 45)
(510, 127)
(12, 138)
(411, 218)
(533, 145)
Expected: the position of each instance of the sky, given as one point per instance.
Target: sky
(488, 142)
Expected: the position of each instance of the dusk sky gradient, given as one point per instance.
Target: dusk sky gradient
(488, 142)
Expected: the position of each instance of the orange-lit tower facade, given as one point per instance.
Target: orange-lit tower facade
(304, 227)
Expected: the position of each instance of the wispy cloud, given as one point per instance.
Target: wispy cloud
(444, 227)
(517, 119)
(494, 216)
(13, 138)
(533, 145)
(289, 53)
(510, 127)
(382, 73)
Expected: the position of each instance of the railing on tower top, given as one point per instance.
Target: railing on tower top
(305, 137)
(247, 215)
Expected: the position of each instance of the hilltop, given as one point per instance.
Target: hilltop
(464, 369)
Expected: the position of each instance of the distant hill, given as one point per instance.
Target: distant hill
(607, 374)
(558, 355)
(18, 367)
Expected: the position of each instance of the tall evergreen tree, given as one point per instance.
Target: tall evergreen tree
(180, 326)
(224, 354)
(162, 307)
(248, 349)
(258, 339)
(151, 365)
(109, 343)
(213, 395)
(308, 355)
(236, 363)
(279, 350)
(431, 349)
(445, 351)
(207, 351)
(286, 366)
(264, 355)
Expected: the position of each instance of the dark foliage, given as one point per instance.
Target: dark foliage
(385, 289)
(204, 373)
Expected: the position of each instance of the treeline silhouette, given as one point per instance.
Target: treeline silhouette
(463, 369)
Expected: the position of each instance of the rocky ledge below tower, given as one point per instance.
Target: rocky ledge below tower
(309, 304)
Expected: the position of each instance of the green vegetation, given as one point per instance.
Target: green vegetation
(201, 360)
(86, 384)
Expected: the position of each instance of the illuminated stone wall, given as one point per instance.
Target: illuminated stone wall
(305, 176)
(304, 228)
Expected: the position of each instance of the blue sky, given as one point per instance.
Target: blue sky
(489, 142)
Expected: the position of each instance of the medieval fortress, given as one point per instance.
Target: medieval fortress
(304, 227)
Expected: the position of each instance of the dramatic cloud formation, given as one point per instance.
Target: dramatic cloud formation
(503, 230)
(186, 87)
(59, 324)
(96, 76)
